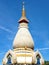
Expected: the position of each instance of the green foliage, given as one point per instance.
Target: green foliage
(46, 63)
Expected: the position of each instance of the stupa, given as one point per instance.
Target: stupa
(23, 46)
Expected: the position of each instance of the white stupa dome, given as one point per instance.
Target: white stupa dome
(23, 39)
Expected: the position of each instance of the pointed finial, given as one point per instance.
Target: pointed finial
(23, 5)
(23, 11)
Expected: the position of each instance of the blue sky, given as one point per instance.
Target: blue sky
(37, 11)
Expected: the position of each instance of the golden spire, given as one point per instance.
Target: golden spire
(23, 11)
(23, 17)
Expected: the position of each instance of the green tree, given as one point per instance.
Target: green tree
(46, 63)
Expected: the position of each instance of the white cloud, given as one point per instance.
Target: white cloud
(10, 38)
(5, 29)
(42, 49)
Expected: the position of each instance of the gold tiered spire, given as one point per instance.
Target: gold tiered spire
(23, 11)
(23, 17)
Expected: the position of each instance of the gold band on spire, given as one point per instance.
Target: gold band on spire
(23, 11)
